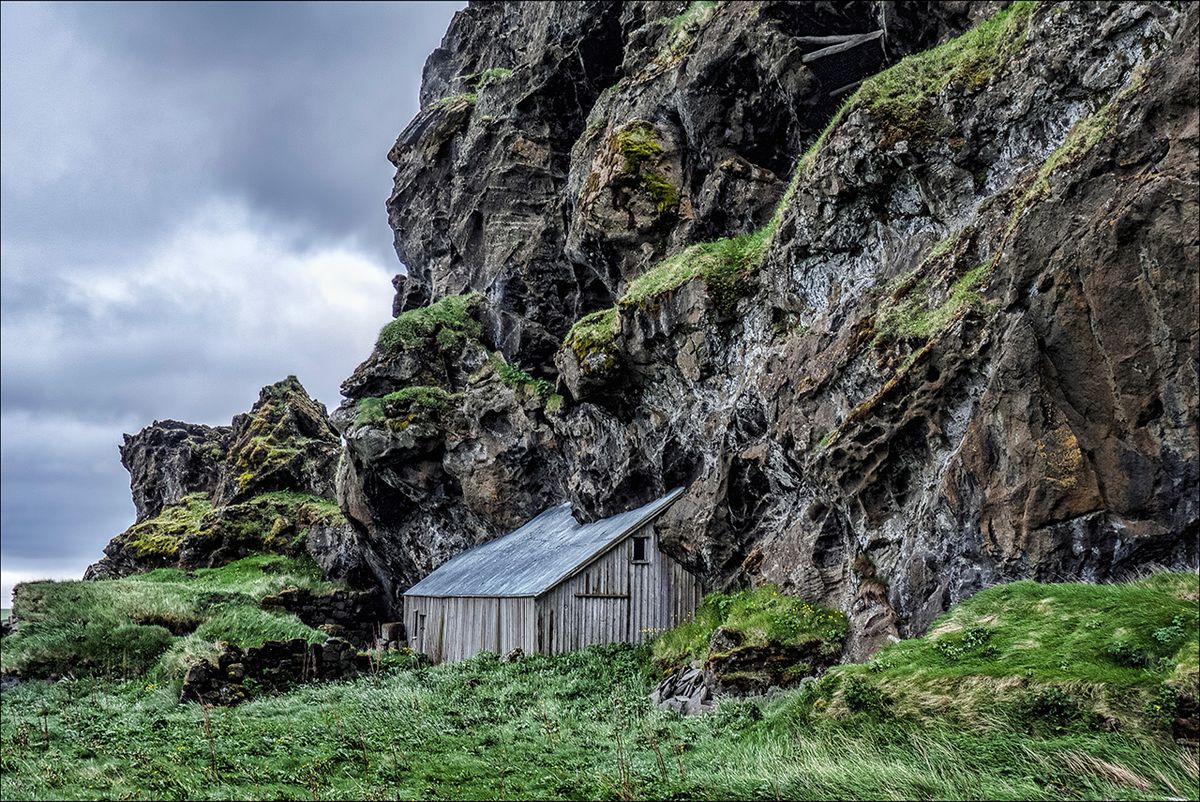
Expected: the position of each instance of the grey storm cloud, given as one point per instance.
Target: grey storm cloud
(191, 206)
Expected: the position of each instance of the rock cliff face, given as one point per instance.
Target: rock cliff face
(209, 495)
(903, 327)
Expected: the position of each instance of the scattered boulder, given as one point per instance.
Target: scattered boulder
(686, 691)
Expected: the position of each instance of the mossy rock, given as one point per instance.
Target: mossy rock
(444, 325)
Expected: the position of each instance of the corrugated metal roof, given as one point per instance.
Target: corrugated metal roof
(536, 557)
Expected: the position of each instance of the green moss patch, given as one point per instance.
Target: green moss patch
(911, 316)
(275, 522)
(902, 95)
(724, 266)
(664, 194)
(761, 617)
(593, 338)
(284, 428)
(638, 143)
(162, 535)
(404, 407)
(447, 323)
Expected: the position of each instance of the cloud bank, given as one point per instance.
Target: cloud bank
(191, 206)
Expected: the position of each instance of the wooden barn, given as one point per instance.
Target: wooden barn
(553, 586)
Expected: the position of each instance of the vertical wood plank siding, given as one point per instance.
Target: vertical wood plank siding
(615, 600)
(611, 599)
(457, 627)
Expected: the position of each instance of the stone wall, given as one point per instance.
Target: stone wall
(273, 667)
(354, 615)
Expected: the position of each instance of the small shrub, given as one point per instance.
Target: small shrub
(515, 376)
(1124, 653)
(1050, 708)
(862, 696)
(971, 642)
(1163, 708)
(1170, 636)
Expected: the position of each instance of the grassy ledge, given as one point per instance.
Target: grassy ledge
(902, 94)
(448, 322)
(152, 624)
(403, 407)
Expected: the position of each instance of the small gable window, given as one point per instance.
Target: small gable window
(639, 549)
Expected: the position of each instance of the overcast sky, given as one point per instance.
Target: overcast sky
(191, 206)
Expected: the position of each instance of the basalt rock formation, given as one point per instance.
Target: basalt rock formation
(904, 322)
(904, 295)
(209, 495)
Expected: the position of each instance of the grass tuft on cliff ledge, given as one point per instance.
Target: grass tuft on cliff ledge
(447, 322)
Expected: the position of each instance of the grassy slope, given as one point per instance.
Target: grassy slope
(579, 727)
(153, 622)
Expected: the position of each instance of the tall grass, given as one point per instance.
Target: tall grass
(579, 726)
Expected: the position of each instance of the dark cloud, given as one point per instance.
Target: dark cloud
(191, 206)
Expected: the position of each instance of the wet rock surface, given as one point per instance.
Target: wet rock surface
(967, 349)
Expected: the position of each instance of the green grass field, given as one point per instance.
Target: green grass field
(1046, 706)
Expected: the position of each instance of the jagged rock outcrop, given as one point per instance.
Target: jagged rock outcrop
(209, 495)
(285, 442)
(447, 444)
(169, 460)
(561, 148)
(957, 344)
